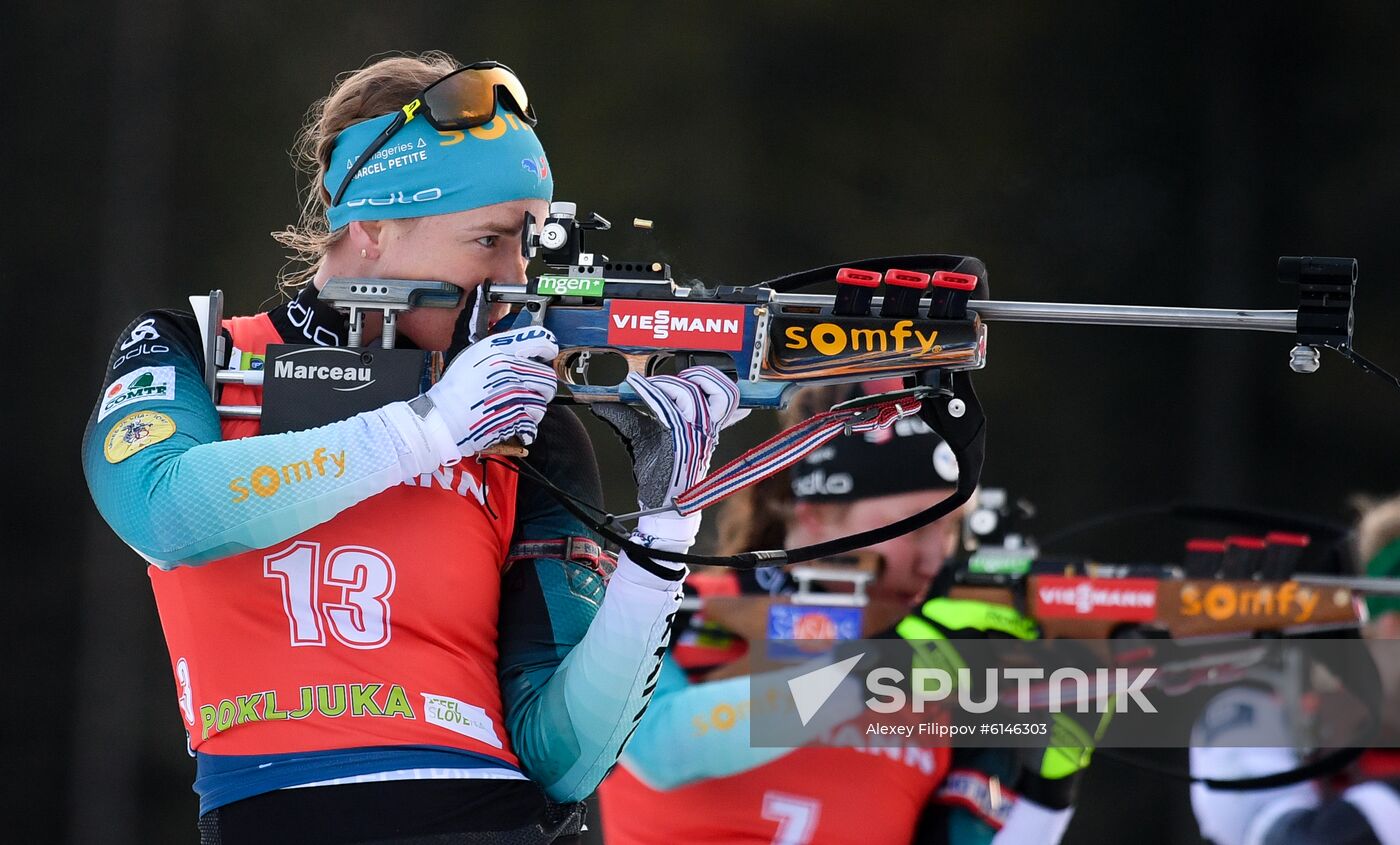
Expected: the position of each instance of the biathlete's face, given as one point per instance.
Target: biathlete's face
(464, 248)
(910, 561)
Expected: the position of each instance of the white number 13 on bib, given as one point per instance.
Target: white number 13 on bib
(347, 593)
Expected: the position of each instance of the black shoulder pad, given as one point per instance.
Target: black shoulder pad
(563, 454)
(155, 338)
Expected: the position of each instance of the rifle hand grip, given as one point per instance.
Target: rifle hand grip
(511, 448)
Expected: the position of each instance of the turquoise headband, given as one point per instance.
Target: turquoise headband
(423, 171)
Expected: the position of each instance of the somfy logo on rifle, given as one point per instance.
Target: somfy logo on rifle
(833, 339)
(820, 346)
(1287, 602)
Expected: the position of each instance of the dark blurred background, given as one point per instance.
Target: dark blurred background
(1142, 153)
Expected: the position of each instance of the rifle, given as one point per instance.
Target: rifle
(1240, 587)
(772, 341)
(1217, 618)
(1089, 600)
(926, 328)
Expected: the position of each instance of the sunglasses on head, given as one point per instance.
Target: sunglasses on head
(463, 99)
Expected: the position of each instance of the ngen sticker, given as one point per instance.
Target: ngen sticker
(570, 286)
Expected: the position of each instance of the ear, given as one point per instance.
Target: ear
(365, 236)
(955, 527)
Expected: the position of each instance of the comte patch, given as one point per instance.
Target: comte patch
(138, 386)
(134, 432)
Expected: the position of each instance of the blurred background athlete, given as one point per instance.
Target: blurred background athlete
(1360, 806)
(691, 775)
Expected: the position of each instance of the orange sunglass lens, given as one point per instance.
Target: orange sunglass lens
(507, 80)
(468, 98)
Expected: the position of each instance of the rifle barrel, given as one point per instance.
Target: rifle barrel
(1247, 319)
(1244, 319)
(1138, 315)
(1371, 586)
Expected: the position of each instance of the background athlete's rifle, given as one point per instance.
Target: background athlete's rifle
(1243, 584)
(1219, 617)
(1236, 586)
(1090, 600)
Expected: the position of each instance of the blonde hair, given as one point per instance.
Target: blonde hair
(378, 88)
(1377, 528)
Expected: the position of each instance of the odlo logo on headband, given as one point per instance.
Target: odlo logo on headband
(398, 198)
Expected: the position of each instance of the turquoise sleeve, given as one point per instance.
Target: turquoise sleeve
(578, 657)
(570, 718)
(189, 497)
(695, 731)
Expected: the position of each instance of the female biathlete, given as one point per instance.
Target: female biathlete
(1357, 806)
(691, 771)
(378, 634)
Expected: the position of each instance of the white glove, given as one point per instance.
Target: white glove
(496, 389)
(672, 447)
(1241, 733)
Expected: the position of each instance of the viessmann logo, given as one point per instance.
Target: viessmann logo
(676, 325)
(1064, 597)
(348, 377)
